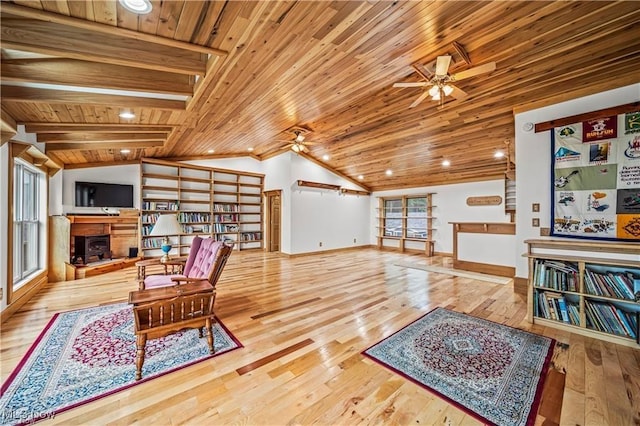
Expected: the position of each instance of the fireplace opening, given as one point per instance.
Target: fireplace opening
(88, 246)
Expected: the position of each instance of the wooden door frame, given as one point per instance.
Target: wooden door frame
(267, 227)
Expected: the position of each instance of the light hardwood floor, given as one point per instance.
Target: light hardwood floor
(303, 322)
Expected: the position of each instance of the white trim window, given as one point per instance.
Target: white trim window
(26, 221)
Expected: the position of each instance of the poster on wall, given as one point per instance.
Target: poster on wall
(596, 178)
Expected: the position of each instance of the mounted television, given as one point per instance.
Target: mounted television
(91, 194)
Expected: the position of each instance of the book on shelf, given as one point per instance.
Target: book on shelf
(608, 318)
(618, 285)
(556, 275)
(551, 305)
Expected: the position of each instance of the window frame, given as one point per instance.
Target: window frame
(25, 217)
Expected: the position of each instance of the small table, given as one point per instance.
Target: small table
(175, 263)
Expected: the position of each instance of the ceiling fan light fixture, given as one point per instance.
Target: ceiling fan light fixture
(296, 147)
(434, 91)
(299, 137)
(436, 97)
(447, 89)
(141, 7)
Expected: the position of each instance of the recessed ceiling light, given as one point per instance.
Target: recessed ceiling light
(498, 154)
(125, 151)
(389, 172)
(250, 149)
(137, 6)
(127, 115)
(446, 163)
(360, 177)
(211, 151)
(325, 157)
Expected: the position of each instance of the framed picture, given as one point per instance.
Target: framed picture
(596, 179)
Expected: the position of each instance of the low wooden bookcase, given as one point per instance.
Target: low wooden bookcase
(586, 287)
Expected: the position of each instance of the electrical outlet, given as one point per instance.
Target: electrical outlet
(354, 241)
(320, 243)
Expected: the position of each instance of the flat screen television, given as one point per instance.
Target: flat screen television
(92, 194)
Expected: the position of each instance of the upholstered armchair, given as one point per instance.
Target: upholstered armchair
(207, 258)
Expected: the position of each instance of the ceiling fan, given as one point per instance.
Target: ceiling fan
(441, 81)
(298, 144)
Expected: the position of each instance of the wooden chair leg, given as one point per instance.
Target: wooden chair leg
(141, 341)
(209, 327)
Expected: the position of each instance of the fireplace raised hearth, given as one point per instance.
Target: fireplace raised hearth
(87, 246)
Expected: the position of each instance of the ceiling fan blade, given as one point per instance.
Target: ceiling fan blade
(411, 84)
(425, 71)
(480, 69)
(420, 99)
(458, 93)
(442, 64)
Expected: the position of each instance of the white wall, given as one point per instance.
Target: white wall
(533, 160)
(128, 174)
(277, 172)
(450, 203)
(325, 216)
(4, 221)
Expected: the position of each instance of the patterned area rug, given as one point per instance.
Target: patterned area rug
(90, 353)
(491, 371)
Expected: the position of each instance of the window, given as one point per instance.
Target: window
(393, 218)
(26, 221)
(417, 217)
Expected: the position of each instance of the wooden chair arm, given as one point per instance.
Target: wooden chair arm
(187, 280)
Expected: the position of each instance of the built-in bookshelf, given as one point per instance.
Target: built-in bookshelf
(406, 222)
(222, 204)
(590, 288)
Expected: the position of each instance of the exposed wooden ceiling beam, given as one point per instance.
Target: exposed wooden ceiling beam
(100, 137)
(27, 12)
(73, 72)
(83, 44)
(100, 145)
(8, 126)
(95, 127)
(621, 109)
(29, 94)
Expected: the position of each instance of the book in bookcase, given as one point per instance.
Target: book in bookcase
(589, 295)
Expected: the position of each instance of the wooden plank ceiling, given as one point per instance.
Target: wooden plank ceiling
(229, 76)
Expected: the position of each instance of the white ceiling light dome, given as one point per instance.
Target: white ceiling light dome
(140, 7)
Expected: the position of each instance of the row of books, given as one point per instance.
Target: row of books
(556, 275)
(160, 205)
(251, 236)
(554, 306)
(201, 228)
(152, 243)
(194, 217)
(225, 207)
(149, 218)
(221, 227)
(606, 317)
(226, 218)
(621, 285)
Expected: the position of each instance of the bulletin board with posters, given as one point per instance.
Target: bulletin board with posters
(596, 178)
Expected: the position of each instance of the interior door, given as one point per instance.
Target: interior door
(273, 220)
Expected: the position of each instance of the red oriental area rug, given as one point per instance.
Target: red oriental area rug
(491, 371)
(87, 354)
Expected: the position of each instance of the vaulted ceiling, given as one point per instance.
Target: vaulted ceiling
(229, 76)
